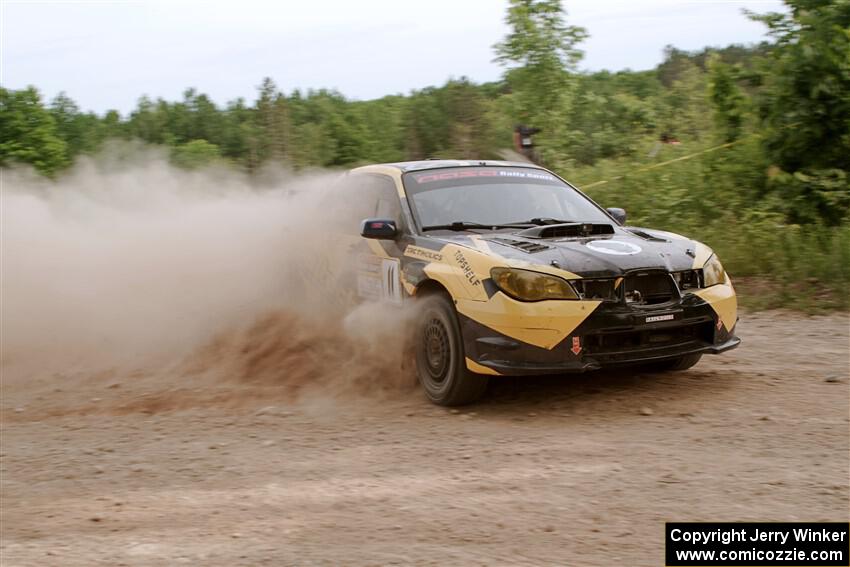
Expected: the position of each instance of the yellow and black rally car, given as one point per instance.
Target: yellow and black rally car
(517, 272)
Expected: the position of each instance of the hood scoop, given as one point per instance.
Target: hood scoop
(567, 230)
(646, 235)
(530, 247)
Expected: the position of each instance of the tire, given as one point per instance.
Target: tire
(677, 364)
(440, 359)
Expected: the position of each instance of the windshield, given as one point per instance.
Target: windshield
(495, 196)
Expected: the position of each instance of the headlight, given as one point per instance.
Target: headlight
(712, 272)
(526, 285)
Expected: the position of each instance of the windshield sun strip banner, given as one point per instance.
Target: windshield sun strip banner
(487, 173)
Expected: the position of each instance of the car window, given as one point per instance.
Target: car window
(495, 195)
(388, 204)
(371, 196)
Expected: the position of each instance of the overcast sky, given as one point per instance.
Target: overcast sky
(105, 54)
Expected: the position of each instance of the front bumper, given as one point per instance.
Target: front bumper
(613, 335)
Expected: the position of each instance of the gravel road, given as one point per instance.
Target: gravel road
(163, 468)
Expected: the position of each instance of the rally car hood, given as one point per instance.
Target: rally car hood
(627, 249)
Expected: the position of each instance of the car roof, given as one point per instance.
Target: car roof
(405, 166)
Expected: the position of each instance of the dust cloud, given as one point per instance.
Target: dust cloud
(128, 262)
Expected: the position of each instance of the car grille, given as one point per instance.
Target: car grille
(649, 288)
(688, 279)
(598, 289)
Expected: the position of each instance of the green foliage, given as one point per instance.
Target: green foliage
(814, 195)
(28, 133)
(82, 133)
(449, 121)
(195, 154)
(805, 104)
(273, 124)
(683, 107)
(606, 116)
(798, 266)
(383, 129)
(727, 99)
(805, 109)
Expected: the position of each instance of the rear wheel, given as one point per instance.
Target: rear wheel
(440, 359)
(677, 364)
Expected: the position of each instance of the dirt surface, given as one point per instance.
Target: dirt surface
(167, 467)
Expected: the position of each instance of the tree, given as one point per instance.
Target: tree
(383, 123)
(204, 118)
(194, 154)
(149, 122)
(683, 112)
(28, 132)
(426, 124)
(540, 51)
(467, 130)
(66, 114)
(273, 121)
(234, 143)
(726, 98)
(805, 106)
(112, 126)
(675, 63)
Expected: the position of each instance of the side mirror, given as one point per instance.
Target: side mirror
(618, 214)
(380, 229)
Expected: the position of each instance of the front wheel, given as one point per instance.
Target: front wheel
(440, 359)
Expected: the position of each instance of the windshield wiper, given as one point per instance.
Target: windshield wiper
(464, 225)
